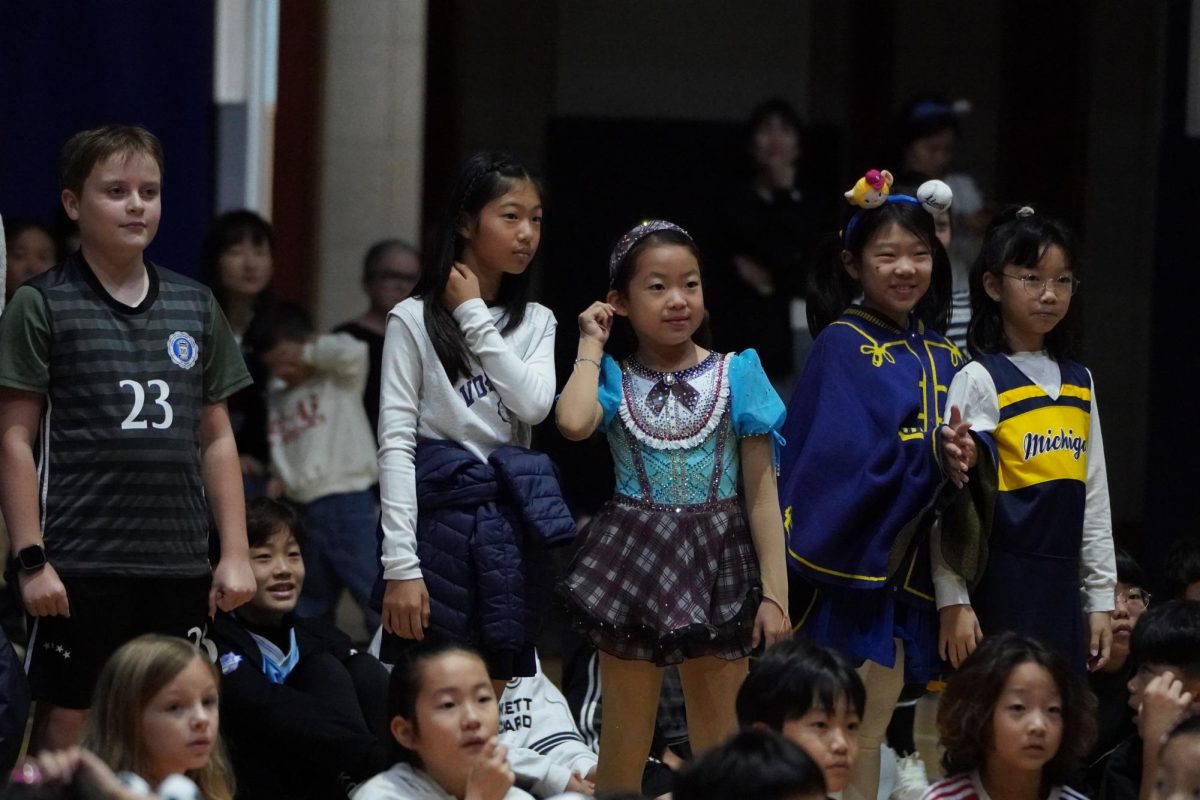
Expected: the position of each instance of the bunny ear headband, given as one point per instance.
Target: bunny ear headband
(874, 190)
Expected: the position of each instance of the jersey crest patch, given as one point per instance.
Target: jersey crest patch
(181, 347)
(229, 662)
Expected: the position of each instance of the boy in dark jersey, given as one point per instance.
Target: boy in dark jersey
(114, 438)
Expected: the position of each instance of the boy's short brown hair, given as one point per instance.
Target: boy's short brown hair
(86, 149)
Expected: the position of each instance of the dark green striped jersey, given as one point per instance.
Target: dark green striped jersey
(118, 455)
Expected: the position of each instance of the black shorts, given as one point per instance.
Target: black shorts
(66, 654)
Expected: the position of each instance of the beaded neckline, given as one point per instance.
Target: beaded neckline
(650, 430)
(642, 371)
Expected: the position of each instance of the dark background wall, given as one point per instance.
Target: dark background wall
(1077, 109)
(67, 66)
(1068, 104)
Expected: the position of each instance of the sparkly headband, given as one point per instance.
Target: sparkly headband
(635, 235)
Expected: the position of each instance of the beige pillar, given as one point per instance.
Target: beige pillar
(373, 120)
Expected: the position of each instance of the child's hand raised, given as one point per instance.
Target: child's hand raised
(596, 322)
(1163, 702)
(957, 447)
(491, 777)
(461, 286)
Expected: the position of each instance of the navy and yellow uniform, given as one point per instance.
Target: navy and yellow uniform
(1039, 449)
(860, 464)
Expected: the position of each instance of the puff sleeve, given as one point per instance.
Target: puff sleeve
(608, 392)
(756, 408)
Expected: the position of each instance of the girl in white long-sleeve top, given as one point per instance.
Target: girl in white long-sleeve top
(466, 359)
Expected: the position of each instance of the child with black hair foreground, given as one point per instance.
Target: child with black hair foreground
(813, 697)
(1165, 649)
(445, 718)
(1014, 722)
(754, 763)
(302, 711)
(323, 453)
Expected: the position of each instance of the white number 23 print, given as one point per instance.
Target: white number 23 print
(132, 422)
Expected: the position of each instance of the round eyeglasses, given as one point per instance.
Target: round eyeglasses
(1062, 286)
(1133, 599)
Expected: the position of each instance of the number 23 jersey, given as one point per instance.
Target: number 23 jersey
(118, 460)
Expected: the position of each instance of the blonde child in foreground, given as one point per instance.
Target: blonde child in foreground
(156, 714)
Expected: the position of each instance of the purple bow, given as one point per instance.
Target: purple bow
(685, 395)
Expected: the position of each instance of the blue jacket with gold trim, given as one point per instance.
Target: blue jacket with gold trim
(861, 460)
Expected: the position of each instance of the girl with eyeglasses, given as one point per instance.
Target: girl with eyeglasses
(1032, 538)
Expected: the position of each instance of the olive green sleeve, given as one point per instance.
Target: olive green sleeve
(25, 342)
(224, 368)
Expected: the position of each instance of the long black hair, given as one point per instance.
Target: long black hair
(1021, 241)
(482, 178)
(831, 289)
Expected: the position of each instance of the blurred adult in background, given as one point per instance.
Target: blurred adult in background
(928, 131)
(237, 266)
(772, 225)
(390, 270)
(31, 251)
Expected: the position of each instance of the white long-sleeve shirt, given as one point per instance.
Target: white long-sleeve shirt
(321, 442)
(543, 743)
(974, 392)
(510, 389)
(406, 782)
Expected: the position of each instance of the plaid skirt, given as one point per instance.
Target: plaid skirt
(666, 583)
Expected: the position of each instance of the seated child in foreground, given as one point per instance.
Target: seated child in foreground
(754, 763)
(813, 697)
(445, 718)
(1165, 649)
(1015, 723)
(301, 710)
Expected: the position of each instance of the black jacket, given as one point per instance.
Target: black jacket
(285, 742)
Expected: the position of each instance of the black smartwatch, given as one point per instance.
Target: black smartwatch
(31, 558)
